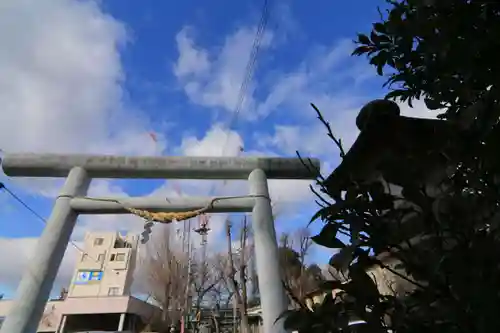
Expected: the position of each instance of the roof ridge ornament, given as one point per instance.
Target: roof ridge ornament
(375, 111)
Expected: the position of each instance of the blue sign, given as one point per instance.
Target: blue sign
(95, 276)
(84, 277)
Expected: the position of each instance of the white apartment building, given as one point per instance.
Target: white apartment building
(99, 295)
(106, 267)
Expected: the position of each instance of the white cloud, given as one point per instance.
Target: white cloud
(23, 249)
(419, 110)
(218, 141)
(321, 78)
(292, 138)
(61, 91)
(213, 79)
(210, 145)
(192, 60)
(60, 87)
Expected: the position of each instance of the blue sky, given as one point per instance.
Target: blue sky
(99, 77)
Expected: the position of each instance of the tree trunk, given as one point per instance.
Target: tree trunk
(233, 283)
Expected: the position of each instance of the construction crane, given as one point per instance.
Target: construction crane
(203, 228)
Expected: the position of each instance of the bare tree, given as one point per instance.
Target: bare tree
(298, 277)
(234, 267)
(243, 265)
(205, 279)
(165, 269)
(221, 295)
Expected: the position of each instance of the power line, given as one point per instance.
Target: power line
(249, 71)
(37, 215)
(12, 194)
(250, 68)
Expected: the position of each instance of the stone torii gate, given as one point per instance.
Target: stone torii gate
(37, 281)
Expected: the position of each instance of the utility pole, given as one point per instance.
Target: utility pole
(185, 312)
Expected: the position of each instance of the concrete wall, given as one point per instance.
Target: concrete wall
(86, 305)
(90, 305)
(105, 252)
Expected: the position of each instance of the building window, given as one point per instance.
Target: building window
(84, 257)
(117, 257)
(100, 258)
(98, 241)
(114, 291)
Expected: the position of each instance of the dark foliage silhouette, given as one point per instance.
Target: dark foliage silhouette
(437, 236)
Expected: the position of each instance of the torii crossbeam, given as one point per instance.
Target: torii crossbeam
(37, 281)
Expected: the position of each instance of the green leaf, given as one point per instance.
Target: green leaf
(395, 94)
(317, 215)
(365, 287)
(324, 212)
(351, 195)
(375, 60)
(379, 27)
(356, 225)
(384, 201)
(374, 37)
(333, 243)
(363, 39)
(376, 189)
(331, 285)
(285, 314)
(328, 237)
(380, 70)
(361, 50)
(399, 64)
(294, 320)
(391, 62)
(342, 259)
(432, 104)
